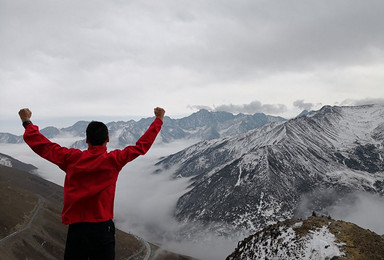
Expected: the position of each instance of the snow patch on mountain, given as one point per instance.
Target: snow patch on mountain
(5, 161)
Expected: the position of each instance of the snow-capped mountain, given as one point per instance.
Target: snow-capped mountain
(311, 239)
(261, 177)
(202, 125)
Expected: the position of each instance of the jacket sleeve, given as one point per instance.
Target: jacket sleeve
(48, 150)
(142, 146)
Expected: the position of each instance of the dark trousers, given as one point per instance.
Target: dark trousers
(90, 241)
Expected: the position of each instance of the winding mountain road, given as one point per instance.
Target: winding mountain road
(146, 246)
(28, 224)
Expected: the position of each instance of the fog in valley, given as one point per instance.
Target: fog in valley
(144, 200)
(363, 209)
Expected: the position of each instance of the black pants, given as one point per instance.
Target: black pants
(90, 241)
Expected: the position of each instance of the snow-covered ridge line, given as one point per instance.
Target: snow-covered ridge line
(202, 125)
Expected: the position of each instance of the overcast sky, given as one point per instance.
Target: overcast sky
(95, 59)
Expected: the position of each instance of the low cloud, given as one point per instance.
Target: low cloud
(300, 104)
(315, 201)
(199, 107)
(251, 108)
(361, 102)
(363, 209)
(352, 207)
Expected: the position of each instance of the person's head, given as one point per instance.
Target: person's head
(97, 133)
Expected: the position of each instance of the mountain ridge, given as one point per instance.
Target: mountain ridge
(202, 125)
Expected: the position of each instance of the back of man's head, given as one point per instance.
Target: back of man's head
(97, 133)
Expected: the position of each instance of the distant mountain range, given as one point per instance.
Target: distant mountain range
(202, 125)
(249, 181)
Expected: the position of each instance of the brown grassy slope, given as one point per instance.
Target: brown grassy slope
(20, 211)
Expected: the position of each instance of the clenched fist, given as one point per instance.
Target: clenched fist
(25, 114)
(159, 113)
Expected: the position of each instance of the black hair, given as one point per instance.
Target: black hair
(97, 133)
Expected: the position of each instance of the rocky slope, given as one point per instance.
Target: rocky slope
(261, 177)
(310, 239)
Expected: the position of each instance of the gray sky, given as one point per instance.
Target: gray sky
(116, 59)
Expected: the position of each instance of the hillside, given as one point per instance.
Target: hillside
(310, 239)
(30, 221)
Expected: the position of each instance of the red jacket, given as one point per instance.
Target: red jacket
(91, 175)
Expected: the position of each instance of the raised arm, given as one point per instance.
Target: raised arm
(39, 143)
(145, 142)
